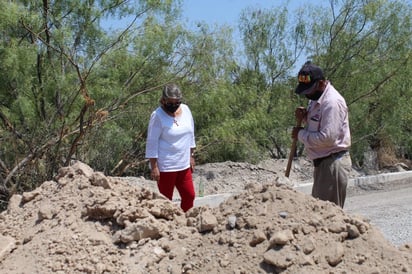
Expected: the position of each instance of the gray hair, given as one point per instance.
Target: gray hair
(171, 91)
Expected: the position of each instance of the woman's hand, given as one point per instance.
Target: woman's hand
(192, 162)
(155, 174)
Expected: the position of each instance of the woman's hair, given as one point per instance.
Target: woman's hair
(171, 91)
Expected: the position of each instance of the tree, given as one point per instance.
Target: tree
(53, 100)
(272, 47)
(71, 88)
(365, 49)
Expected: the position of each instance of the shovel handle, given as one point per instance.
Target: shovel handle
(291, 155)
(292, 152)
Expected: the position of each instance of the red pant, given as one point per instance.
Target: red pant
(183, 182)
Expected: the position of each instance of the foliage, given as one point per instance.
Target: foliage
(73, 87)
(366, 53)
(57, 94)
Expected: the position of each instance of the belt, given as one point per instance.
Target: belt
(336, 155)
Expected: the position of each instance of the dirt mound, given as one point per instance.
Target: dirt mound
(85, 222)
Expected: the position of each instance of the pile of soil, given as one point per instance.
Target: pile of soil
(86, 222)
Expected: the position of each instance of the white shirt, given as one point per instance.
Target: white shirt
(169, 139)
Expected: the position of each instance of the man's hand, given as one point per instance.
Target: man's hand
(300, 115)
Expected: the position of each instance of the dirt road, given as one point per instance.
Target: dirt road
(389, 209)
(385, 199)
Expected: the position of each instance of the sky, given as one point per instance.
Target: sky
(227, 12)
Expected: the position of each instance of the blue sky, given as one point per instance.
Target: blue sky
(221, 11)
(228, 11)
(225, 12)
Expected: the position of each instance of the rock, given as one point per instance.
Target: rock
(282, 258)
(308, 245)
(207, 221)
(280, 238)
(46, 212)
(283, 214)
(258, 237)
(231, 221)
(99, 179)
(29, 196)
(334, 253)
(14, 203)
(7, 245)
(141, 229)
(353, 231)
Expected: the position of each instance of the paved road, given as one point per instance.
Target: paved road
(388, 209)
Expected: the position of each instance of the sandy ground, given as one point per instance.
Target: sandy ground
(86, 222)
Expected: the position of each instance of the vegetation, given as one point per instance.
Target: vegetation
(73, 88)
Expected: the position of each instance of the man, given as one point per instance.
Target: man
(325, 135)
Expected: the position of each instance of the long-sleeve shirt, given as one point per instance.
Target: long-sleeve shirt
(170, 139)
(327, 125)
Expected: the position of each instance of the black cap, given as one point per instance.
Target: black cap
(308, 75)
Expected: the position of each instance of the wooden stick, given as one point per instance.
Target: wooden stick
(292, 151)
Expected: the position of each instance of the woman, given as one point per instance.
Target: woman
(170, 146)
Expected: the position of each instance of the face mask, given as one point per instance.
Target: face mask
(314, 96)
(171, 107)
